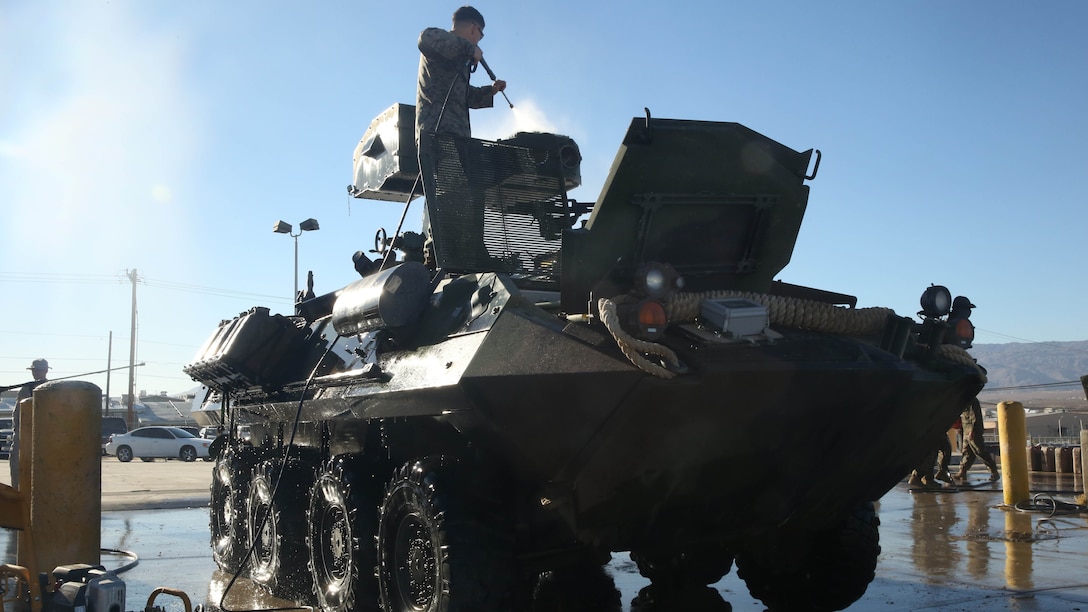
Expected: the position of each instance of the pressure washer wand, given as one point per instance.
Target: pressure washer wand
(492, 76)
(10, 387)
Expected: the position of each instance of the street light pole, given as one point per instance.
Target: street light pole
(295, 236)
(281, 227)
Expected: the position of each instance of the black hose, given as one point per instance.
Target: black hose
(125, 553)
(275, 488)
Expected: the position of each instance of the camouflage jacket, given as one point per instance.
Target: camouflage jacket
(444, 69)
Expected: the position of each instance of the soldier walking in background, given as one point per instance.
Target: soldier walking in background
(973, 443)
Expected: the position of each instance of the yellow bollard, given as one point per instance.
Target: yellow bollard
(65, 484)
(1012, 433)
(1084, 460)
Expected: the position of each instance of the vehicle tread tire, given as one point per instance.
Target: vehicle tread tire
(227, 515)
(342, 525)
(833, 572)
(454, 527)
(697, 566)
(278, 561)
(124, 454)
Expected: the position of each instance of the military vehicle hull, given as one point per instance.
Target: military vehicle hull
(442, 430)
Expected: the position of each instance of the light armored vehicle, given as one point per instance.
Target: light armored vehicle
(541, 382)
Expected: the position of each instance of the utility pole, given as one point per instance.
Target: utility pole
(131, 416)
(109, 364)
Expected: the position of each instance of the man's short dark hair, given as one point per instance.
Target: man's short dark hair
(467, 13)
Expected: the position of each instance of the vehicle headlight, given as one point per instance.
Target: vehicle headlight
(657, 280)
(936, 301)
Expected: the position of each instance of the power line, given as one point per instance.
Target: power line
(1027, 341)
(211, 290)
(113, 279)
(67, 278)
(1036, 386)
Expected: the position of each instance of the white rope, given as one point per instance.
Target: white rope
(788, 312)
(953, 353)
(632, 347)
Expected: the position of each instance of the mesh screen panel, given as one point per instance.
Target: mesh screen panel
(495, 207)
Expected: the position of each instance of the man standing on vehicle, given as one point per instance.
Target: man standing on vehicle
(443, 99)
(39, 369)
(446, 62)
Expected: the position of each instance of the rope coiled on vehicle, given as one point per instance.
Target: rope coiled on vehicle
(790, 312)
(955, 354)
(634, 348)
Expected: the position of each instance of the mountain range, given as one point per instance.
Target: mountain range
(1035, 363)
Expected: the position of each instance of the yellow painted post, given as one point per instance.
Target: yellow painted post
(65, 469)
(1084, 460)
(23, 554)
(1012, 434)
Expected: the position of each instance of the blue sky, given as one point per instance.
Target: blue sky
(168, 137)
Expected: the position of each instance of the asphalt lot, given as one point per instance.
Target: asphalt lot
(149, 485)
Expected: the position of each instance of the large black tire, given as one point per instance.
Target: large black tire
(698, 566)
(342, 522)
(827, 571)
(229, 493)
(445, 542)
(277, 528)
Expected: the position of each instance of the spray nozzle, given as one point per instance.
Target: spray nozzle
(491, 75)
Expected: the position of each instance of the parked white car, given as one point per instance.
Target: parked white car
(156, 441)
(6, 434)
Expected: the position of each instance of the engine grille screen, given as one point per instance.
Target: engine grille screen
(495, 208)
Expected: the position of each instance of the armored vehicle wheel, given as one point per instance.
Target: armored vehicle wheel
(829, 571)
(229, 491)
(444, 542)
(277, 528)
(697, 567)
(124, 454)
(342, 522)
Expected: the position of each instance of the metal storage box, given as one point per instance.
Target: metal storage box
(734, 316)
(385, 163)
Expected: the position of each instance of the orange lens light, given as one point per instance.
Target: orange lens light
(651, 318)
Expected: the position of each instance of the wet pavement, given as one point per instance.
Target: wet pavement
(944, 550)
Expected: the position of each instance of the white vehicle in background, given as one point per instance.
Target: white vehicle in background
(6, 434)
(156, 441)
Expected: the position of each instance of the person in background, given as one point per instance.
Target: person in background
(973, 444)
(39, 369)
(940, 456)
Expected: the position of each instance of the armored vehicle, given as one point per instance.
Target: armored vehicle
(536, 382)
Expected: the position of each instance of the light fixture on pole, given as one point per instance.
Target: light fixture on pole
(282, 227)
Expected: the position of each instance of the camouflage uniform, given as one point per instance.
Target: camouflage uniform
(444, 70)
(443, 98)
(973, 443)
